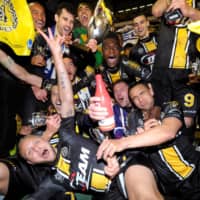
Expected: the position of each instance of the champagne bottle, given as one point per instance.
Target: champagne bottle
(108, 123)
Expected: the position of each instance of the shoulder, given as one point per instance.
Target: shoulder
(67, 123)
(135, 120)
(171, 109)
(153, 35)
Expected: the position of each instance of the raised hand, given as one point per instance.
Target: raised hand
(53, 42)
(109, 147)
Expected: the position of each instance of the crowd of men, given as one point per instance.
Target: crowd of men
(150, 154)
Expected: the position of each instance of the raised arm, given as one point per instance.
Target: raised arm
(159, 7)
(188, 11)
(152, 137)
(64, 84)
(8, 63)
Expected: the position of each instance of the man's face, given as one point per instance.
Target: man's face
(38, 15)
(141, 26)
(84, 14)
(55, 98)
(36, 150)
(120, 91)
(70, 68)
(64, 23)
(142, 97)
(111, 52)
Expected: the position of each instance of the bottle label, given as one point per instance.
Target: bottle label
(107, 124)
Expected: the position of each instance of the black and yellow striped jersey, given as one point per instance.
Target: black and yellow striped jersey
(177, 46)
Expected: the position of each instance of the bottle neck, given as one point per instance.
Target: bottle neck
(100, 85)
(99, 79)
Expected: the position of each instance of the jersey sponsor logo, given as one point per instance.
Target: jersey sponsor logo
(84, 156)
(65, 152)
(148, 59)
(83, 166)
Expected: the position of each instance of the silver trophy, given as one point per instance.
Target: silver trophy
(100, 23)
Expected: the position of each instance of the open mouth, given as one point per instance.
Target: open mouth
(70, 73)
(121, 99)
(40, 23)
(112, 60)
(45, 153)
(84, 18)
(58, 103)
(66, 30)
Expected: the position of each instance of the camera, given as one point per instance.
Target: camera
(173, 17)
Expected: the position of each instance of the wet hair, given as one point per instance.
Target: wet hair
(142, 82)
(37, 2)
(137, 14)
(112, 35)
(73, 57)
(31, 3)
(118, 82)
(67, 6)
(88, 3)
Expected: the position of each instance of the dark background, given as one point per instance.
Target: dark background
(129, 7)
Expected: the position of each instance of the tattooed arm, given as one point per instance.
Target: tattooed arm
(64, 84)
(18, 71)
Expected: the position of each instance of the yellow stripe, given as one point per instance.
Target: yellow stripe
(63, 166)
(99, 181)
(176, 163)
(150, 46)
(115, 76)
(180, 52)
(71, 194)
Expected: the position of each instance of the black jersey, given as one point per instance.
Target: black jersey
(77, 161)
(25, 178)
(143, 52)
(177, 50)
(77, 168)
(176, 45)
(120, 72)
(174, 163)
